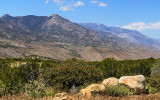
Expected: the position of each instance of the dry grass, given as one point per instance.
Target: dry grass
(133, 97)
(96, 97)
(14, 97)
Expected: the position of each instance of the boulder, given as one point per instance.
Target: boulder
(112, 81)
(93, 88)
(136, 82)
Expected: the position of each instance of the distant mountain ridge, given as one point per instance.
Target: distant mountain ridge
(56, 37)
(158, 40)
(130, 35)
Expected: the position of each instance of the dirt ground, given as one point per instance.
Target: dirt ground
(96, 97)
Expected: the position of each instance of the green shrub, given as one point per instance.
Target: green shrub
(2, 88)
(50, 91)
(150, 90)
(155, 70)
(118, 91)
(35, 89)
(63, 74)
(153, 84)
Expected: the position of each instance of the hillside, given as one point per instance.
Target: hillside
(129, 35)
(59, 38)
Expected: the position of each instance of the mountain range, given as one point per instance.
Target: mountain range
(131, 36)
(56, 37)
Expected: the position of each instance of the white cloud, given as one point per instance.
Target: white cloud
(102, 4)
(47, 1)
(140, 26)
(78, 3)
(99, 3)
(71, 7)
(66, 8)
(72, 4)
(58, 2)
(94, 2)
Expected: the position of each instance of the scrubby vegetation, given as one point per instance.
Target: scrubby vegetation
(39, 77)
(118, 91)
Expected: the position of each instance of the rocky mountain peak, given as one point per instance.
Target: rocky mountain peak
(55, 15)
(57, 18)
(6, 16)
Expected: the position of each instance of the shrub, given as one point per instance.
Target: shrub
(155, 71)
(38, 89)
(118, 91)
(2, 88)
(35, 89)
(50, 91)
(153, 84)
(63, 74)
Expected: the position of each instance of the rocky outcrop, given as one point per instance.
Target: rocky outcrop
(92, 88)
(136, 82)
(112, 81)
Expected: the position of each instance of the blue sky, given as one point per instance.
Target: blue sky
(141, 15)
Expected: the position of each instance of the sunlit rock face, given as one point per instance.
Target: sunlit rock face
(136, 82)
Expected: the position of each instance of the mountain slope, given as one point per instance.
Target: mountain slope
(59, 38)
(130, 35)
(56, 28)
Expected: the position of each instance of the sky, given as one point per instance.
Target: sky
(141, 15)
